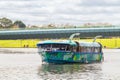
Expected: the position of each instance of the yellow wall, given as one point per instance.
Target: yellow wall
(109, 43)
(18, 43)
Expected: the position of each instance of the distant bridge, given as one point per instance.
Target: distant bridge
(59, 33)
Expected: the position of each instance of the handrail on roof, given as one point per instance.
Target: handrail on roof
(71, 36)
(97, 37)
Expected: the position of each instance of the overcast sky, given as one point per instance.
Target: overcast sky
(61, 11)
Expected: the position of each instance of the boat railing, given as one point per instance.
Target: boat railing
(72, 36)
(97, 37)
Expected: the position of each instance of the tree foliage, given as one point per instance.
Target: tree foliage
(5, 22)
(20, 24)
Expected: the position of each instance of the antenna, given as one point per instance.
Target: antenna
(97, 37)
(71, 36)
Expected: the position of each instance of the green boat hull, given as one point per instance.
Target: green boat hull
(71, 57)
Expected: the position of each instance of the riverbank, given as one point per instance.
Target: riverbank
(35, 50)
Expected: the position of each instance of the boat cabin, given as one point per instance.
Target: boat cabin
(66, 46)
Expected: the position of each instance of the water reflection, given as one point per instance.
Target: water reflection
(72, 69)
(69, 68)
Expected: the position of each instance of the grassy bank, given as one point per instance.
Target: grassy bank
(31, 43)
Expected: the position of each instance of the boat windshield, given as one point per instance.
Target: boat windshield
(54, 47)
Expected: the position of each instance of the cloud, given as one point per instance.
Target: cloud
(101, 3)
(61, 11)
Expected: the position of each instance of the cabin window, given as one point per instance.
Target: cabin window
(88, 49)
(92, 49)
(80, 49)
(45, 47)
(61, 47)
(97, 49)
(75, 49)
(83, 49)
(55, 47)
(72, 48)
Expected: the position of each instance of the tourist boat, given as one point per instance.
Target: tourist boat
(69, 51)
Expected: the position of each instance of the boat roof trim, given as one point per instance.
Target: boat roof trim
(73, 43)
(89, 44)
(60, 42)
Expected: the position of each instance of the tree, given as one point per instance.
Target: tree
(0, 26)
(20, 24)
(5, 22)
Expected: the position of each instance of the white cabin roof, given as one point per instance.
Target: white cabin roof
(89, 44)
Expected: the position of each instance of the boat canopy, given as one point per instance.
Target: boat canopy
(89, 44)
(66, 42)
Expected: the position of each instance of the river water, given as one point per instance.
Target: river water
(26, 64)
